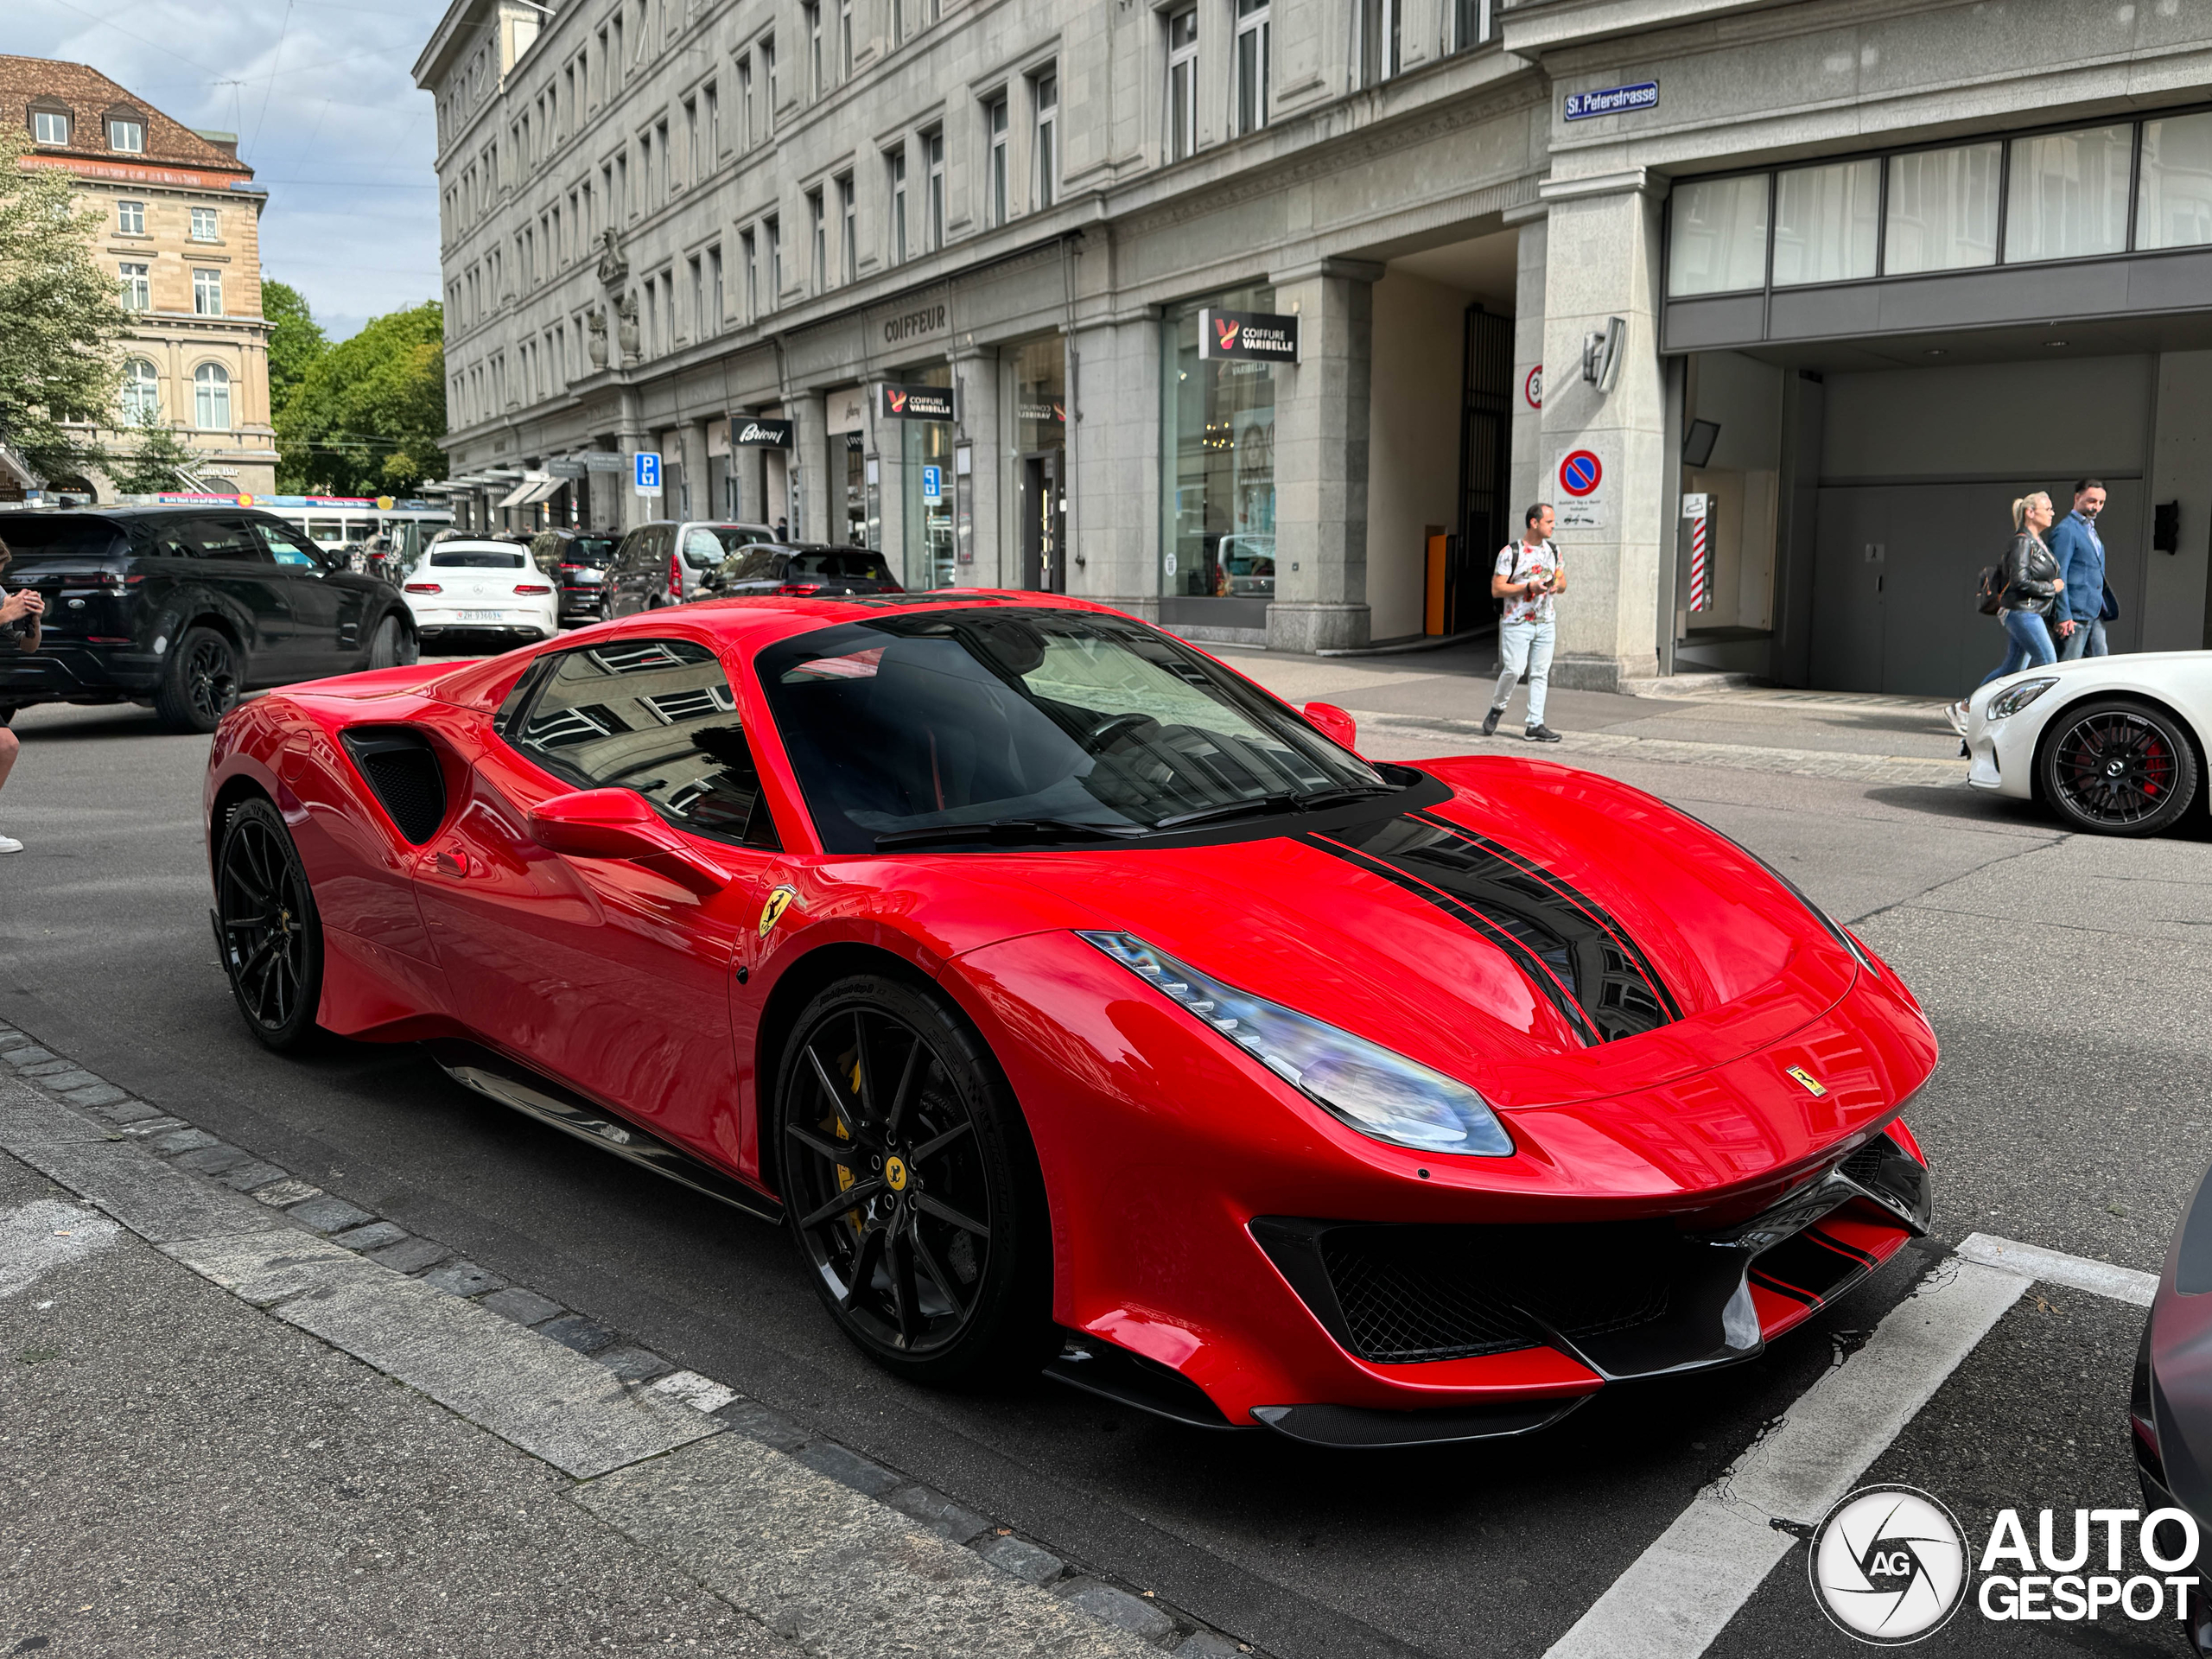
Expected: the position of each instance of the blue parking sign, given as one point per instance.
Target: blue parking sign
(646, 476)
(933, 485)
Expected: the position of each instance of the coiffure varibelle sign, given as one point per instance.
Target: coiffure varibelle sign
(1249, 334)
(917, 403)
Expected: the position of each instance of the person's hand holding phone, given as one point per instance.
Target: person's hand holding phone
(22, 602)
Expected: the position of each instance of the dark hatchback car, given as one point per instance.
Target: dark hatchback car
(2171, 1409)
(801, 567)
(578, 560)
(184, 608)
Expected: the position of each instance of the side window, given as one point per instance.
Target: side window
(226, 538)
(511, 705)
(286, 545)
(654, 715)
(701, 546)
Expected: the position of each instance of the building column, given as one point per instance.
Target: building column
(976, 373)
(810, 454)
(1321, 436)
(1602, 260)
(631, 509)
(1113, 461)
(1528, 465)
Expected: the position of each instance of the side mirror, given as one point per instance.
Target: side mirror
(1334, 724)
(618, 823)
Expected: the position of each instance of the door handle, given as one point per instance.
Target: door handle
(452, 863)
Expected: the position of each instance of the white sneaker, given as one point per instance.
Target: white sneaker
(9, 844)
(1956, 714)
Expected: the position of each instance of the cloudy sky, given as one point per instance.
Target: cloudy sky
(319, 94)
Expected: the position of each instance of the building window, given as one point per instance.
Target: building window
(1382, 29)
(844, 39)
(1717, 241)
(210, 397)
(142, 392)
(1469, 23)
(775, 229)
(1254, 33)
(715, 288)
(700, 329)
(848, 225)
(1046, 88)
(208, 294)
(130, 218)
(898, 243)
(2174, 198)
(129, 137)
(1825, 223)
(995, 123)
(693, 172)
(49, 127)
(651, 330)
(713, 96)
(1943, 210)
(768, 69)
(2066, 194)
(137, 287)
(1217, 460)
(645, 167)
(205, 225)
(817, 218)
(1183, 84)
(812, 15)
(747, 256)
(933, 152)
(745, 100)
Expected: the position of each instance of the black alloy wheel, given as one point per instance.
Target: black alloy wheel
(270, 934)
(200, 683)
(911, 1185)
(393, 647)
(2119, 768)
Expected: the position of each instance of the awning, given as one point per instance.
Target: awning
(534, 488)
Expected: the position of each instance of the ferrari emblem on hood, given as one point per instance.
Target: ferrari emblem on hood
(1813, 1085)
(779, 902)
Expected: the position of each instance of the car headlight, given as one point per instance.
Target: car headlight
(2014, 698)
(1382, 1094)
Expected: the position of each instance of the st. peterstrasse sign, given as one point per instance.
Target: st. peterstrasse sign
(1613, 100)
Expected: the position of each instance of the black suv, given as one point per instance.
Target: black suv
(578, 560)
(801, 567)
(185, 607)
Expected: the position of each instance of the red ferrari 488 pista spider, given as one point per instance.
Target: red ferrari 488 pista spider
(1076, 1003)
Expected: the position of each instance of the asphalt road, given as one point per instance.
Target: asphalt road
(2066, 977)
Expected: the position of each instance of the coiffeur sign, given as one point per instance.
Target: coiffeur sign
(917, 403)
(1248, 333)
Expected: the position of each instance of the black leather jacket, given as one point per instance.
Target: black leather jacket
(2031, 576)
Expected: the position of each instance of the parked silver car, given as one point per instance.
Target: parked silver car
(663, 561)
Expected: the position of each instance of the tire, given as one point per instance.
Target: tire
(938, 1265)
(7, 715)
(270, 931)
(200, 682)
(393, 645)
(2113, 768)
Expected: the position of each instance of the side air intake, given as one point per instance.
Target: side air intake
(403, 769)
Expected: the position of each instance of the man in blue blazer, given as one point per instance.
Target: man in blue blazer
(2080, 558)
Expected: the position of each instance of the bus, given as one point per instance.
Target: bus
(349, 526)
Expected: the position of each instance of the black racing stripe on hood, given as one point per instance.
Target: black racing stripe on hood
(1534, 967)
(1577, 955)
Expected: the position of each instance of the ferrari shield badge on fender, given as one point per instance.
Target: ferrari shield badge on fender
(1813, 1085)
(779, 902)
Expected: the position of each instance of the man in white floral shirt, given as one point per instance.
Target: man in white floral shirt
(1529, 574)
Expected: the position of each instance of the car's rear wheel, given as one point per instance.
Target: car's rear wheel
(2119, 768)
(393, 645)
(199, 684)
(271, 934)
(911, 1185)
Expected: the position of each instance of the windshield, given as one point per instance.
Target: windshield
(476, 558)
(1064, 726)
(857, 565)
(590, 550)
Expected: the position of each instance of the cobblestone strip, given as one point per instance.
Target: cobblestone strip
(826, 1547)
(1465, 736)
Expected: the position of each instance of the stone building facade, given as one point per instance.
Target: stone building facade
(932, 274)
(181, 233)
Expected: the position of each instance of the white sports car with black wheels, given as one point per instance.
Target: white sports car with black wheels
(2114, 746)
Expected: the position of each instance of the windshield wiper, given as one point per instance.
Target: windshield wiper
(1261, 805)
(1003, 831)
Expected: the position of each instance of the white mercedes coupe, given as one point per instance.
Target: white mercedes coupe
(2114, 745)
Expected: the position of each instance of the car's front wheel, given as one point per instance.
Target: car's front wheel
(200, 682)
(2118, 768)
(270, 933)
(911, 1185)
(393, 647)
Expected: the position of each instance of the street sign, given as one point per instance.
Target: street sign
(645, 476)
(1613, 100)
(565, 467)
(602, 460)
(933, 486)
(1581, 474)
(1581, 493)
(1532, 387)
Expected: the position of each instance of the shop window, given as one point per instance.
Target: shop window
(1217, 454)
(1943, 210)
(925, 452)
(1039, 481)
(2067, 194)
(1717, 239)
(1826, 222)
(2174, 207)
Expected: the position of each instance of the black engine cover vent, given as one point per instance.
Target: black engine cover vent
(403, 769)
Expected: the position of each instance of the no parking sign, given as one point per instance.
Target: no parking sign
(1580, 487)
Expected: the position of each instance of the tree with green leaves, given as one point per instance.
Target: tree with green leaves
(154, 463)
(61, 325)
(296, 341)
(369, 414)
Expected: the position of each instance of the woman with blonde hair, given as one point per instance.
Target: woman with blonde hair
(2031, 587)
(19, 631)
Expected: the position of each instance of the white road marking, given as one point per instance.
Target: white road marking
(41, 1235)
(1680, 1594)
(2076, 1272)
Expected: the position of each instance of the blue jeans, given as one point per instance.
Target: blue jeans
(2028, 646)
(2088, 640)
(1525, 647)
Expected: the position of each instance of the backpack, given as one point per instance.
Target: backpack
(1989, 591)
(1496, 605)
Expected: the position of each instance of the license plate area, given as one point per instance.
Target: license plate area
(483, 616)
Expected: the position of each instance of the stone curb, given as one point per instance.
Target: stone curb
(1737, 757)
(827, 1547)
